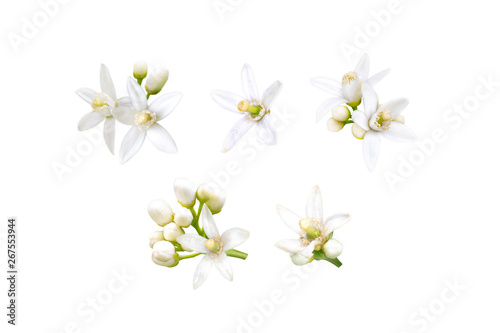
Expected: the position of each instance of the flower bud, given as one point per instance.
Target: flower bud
(357, 132)
(163, 251)
(399, 119)
(334, 125)
(140, 69)
(300, 260)
(172, 231)
(341, 113)
(184, 218)
(217, 201)
(185, 192)
(156, 81)
(204, 192)
(160, 212)
(332, 248)
(155, 237)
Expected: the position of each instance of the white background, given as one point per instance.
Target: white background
(403, 243)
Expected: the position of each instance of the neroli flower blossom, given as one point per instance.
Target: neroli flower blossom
(254, 108)
(349, 90)
(380, 121)
(214, 247)
(103, 104)
(314, 232)
(143, 119)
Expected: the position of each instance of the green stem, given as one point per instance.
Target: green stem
(196, 220)
(188, 256)
(178, 247)
(147, 96)
(319, 255)
(139, 81)
(349, 122)
(237, 254)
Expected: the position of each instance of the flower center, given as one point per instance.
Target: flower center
(214, 245)
(382, 119)
(145, 119)
(349, 77)
(99, 105)
(307, 226)
(254, 110)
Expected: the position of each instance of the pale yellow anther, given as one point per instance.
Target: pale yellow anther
(305, 224)
(349, 77)
(386, 115)
(98, 102)
(210, 244)
(143, 118)
(243, 106)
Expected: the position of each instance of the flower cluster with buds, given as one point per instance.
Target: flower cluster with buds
(172, 244)
(369, 124)
(315, 240)
(132, 110)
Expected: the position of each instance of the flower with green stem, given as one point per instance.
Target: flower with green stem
(315, 240)
(214, 246)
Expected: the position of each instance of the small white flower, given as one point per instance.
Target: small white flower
(185, 192)
(184, 218)
(171, 231)
(204, 192)
(140, 69)
(155, 237)
(143, 119)
(214, 247)
(164, 254)
(380, 121)
(156, 81)
(313, 231)
(103, 103)
(216, 203)
(161, 212)
(349, 90)
(254, 107)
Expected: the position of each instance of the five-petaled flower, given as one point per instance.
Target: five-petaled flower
(254, 107)
(214, 247)
(143, 119)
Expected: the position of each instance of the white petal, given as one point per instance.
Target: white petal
(291, 245)
(131, 143)
(125, 101)
(314, 207)
(376, 78)
(363, 66)
(224, 266)
(107, 85)
(360, 119)
(161, 139)
(399, 133)
(202, 271)
(208, 223)
(371, 149)
(236, 133)
(227, 100)
(193, 242)
(270, 94)
(249, 84)
(90, 120)
(334, 222)
(165, 104)
(331, 86)
(136, 94)
(308, 251)
(266, 130)
(231, 238)
(86, 94)
(124, 115)
(370, 100)
(290, 218)
(328, 105)
(109, 133)
(395, 106)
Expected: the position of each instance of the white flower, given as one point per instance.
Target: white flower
(313, 231)
(216, 203)
(143, 119)
(156, 81)
(103, 104)
(254, 107)
(184, 218)
(349, 90)
(155, 237)
(214, 247)
(140, 69)
(161, 212)
(204, 192)
(164, 254)
(380, 121)
(171, 231)
(185, 192)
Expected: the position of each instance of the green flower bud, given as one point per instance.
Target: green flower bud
(156, 81)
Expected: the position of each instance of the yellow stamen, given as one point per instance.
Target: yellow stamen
(349, 77)
(243, 106)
